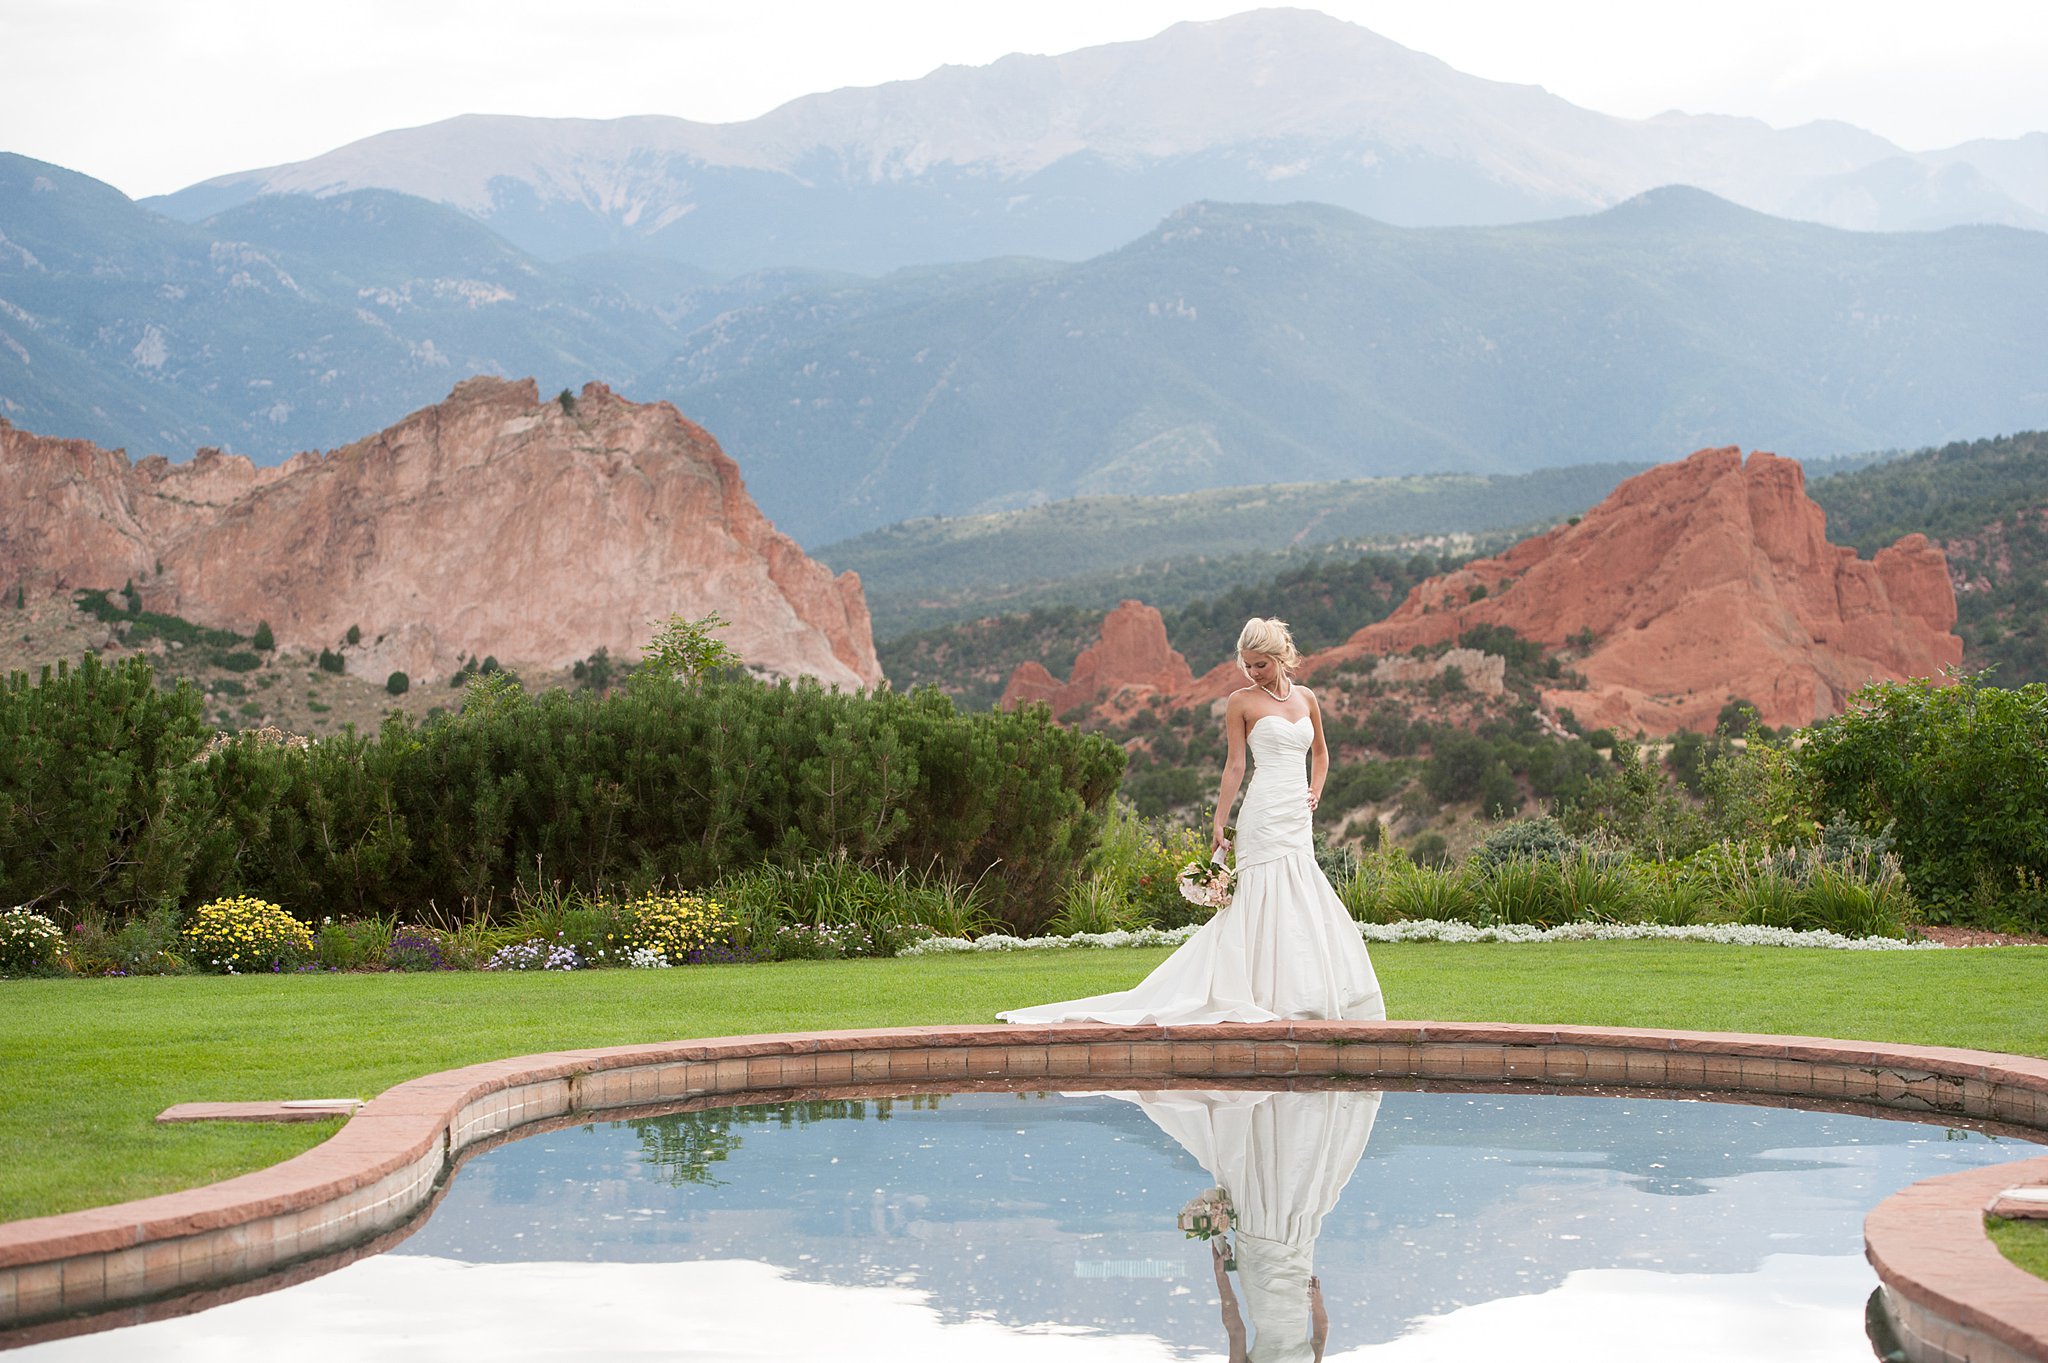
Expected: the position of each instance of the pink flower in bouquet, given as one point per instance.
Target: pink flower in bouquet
(1208, 883)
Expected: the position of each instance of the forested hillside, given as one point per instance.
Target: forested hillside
(1323, 601)
(1169, 551)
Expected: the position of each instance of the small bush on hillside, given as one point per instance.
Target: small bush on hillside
(1539, 839)
(1430, 849)
(398, 683)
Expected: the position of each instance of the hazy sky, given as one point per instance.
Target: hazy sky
(152, 95)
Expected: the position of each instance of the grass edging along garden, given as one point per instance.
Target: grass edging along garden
(1943, 1279)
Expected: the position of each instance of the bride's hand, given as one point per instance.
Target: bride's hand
(1217, 842)
(1313, 797)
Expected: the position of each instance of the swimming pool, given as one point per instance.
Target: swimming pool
(1044, 1225)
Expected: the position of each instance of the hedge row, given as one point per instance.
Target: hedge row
(115, 797)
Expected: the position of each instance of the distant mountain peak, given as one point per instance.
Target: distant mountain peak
(1070, 155)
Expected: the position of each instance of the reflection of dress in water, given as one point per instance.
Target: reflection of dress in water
(1283, 1158)
(1283, 948)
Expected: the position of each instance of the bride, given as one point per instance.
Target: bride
(1283, 947)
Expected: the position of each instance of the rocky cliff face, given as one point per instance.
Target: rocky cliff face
(1129, 663)
(491, 523)
(1700, 580)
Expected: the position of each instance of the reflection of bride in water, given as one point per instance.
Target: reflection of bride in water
(1281, 1159)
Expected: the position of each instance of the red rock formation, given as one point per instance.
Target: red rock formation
(1130, 661)
(489, 523)
(1700, 580)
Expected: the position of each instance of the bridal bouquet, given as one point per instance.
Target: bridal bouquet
(1208, 883)
(1207, 1215)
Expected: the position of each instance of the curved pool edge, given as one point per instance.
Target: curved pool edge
(1947, 1290)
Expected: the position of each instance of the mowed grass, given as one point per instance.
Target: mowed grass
(2025, 1243)
(88, 1064)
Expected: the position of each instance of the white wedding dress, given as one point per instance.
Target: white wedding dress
(1282, 948)
(1282, 1158)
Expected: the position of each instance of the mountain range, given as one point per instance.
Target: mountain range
(1242, 344)
(1072, 155)
(1230, 344)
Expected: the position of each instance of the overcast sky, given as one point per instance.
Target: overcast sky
(153, 95)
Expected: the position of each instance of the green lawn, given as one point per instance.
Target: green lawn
(88, 1063)
(2023, 1242)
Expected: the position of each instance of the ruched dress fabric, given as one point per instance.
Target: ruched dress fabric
(1283, 948)
(1283, 1159)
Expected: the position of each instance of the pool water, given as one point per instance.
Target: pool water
(1043, 1226)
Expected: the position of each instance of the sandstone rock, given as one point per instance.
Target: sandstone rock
(1700, 580)
(1131, 660)
(491, 523)
(1484, 673)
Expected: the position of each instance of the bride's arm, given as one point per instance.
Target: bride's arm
(1233, 765)
(1318, 753)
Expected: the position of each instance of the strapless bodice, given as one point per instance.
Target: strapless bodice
(1281, 743)
(1273, 821)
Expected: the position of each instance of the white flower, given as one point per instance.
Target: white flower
(1439, 930)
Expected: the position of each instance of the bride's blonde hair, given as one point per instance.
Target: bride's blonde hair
(1270, 637)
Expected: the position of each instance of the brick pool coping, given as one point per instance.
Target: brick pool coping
(1948, 1293)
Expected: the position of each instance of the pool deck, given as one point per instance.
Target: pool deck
(1948, 1294)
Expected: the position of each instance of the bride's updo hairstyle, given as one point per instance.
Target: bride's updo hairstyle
(1270, 637)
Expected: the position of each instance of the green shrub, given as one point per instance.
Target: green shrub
(1671, 898)
(398, 683)
(1365, 893)
(1522, 891)
(1430, 849)
(1352, 784)
(1413, 890)
(1538, 839)
(330, 661)
(1093, 904)
(243, 935)
(102, 806)
(1758, 795)
(1837, 899)
(29, 942)
(1855, 891)
(352, 944)
(263, 641)
(1599, 888)
(1633, 805)
(1958, 770)
(950, 907)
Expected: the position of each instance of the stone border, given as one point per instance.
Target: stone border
(1947, 1291)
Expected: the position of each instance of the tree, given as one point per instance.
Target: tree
(330, 661)
(1959, 770)
(683, 650)
(398, 683)
(353, 637)
(264, 641)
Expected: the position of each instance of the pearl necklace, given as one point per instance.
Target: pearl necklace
(1278, 695)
